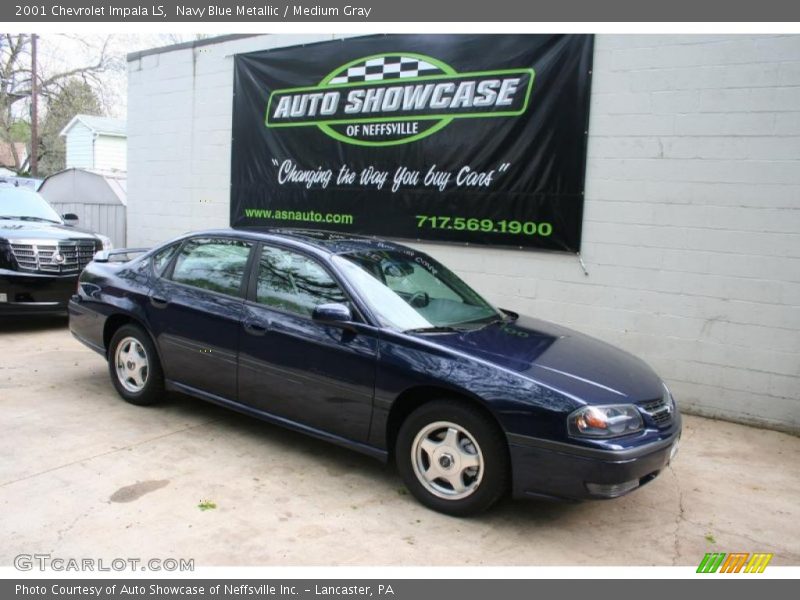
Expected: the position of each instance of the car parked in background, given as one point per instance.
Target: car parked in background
(379, 348)
(40, 256)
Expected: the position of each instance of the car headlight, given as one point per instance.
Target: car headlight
(668, 399)
(6, 261)
(608, 421)
(107, 245)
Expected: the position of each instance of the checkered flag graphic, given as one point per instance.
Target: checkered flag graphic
(386, 67)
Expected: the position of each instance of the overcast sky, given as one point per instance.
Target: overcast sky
(61, 52)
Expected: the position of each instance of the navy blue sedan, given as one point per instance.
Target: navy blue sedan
(379, 348)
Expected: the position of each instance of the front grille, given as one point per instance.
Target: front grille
(25, 254)
(659, 410)
(69, 256)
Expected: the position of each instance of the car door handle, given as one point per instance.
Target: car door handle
(255, 328)
(158, 302)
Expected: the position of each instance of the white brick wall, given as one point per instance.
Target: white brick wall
(692, 219)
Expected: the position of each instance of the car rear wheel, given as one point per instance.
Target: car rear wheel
(452, 458)
(134, 366)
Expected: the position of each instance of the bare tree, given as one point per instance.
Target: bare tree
(16, 78)
(76, 97)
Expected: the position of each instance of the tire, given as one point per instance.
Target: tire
(447, 445)
(134, 366)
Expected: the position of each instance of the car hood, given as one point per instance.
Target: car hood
(13, 229)
(565, 360)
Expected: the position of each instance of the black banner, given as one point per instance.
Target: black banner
(461, 138)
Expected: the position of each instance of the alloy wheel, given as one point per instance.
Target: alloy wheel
(447, 460)
(131, 364)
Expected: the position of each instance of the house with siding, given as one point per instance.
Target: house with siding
(96, 143)
(93, 184)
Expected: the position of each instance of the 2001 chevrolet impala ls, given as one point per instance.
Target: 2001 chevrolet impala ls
(378, 347)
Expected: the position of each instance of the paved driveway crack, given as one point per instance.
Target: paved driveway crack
(678, 517)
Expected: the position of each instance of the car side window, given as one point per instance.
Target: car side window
(212, 264)
(162, 257)
(294, 283)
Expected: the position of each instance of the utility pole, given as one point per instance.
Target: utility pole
(34, 111)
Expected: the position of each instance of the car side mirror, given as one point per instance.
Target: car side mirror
(70, 219)
(333, 314)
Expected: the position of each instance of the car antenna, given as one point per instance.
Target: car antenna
(583, 264)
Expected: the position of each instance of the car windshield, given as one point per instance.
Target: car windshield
(17, 203)
(410, 291)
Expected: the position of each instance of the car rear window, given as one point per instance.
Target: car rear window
(162, 257)
(212, 264)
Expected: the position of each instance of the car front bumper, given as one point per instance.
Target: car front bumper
(556, 470)
(32, 293)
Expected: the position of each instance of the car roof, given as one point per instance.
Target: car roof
(326, 241)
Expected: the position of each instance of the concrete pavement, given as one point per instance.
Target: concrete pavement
(83, 474)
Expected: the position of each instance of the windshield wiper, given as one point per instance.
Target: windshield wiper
(30, 218)
(433, 329)
(486, 321)
(27, 218)
(493, 320)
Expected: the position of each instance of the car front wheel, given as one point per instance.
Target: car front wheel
(134, 366)
(452, 458)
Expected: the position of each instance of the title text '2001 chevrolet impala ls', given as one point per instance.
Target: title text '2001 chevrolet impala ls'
(380, 348)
